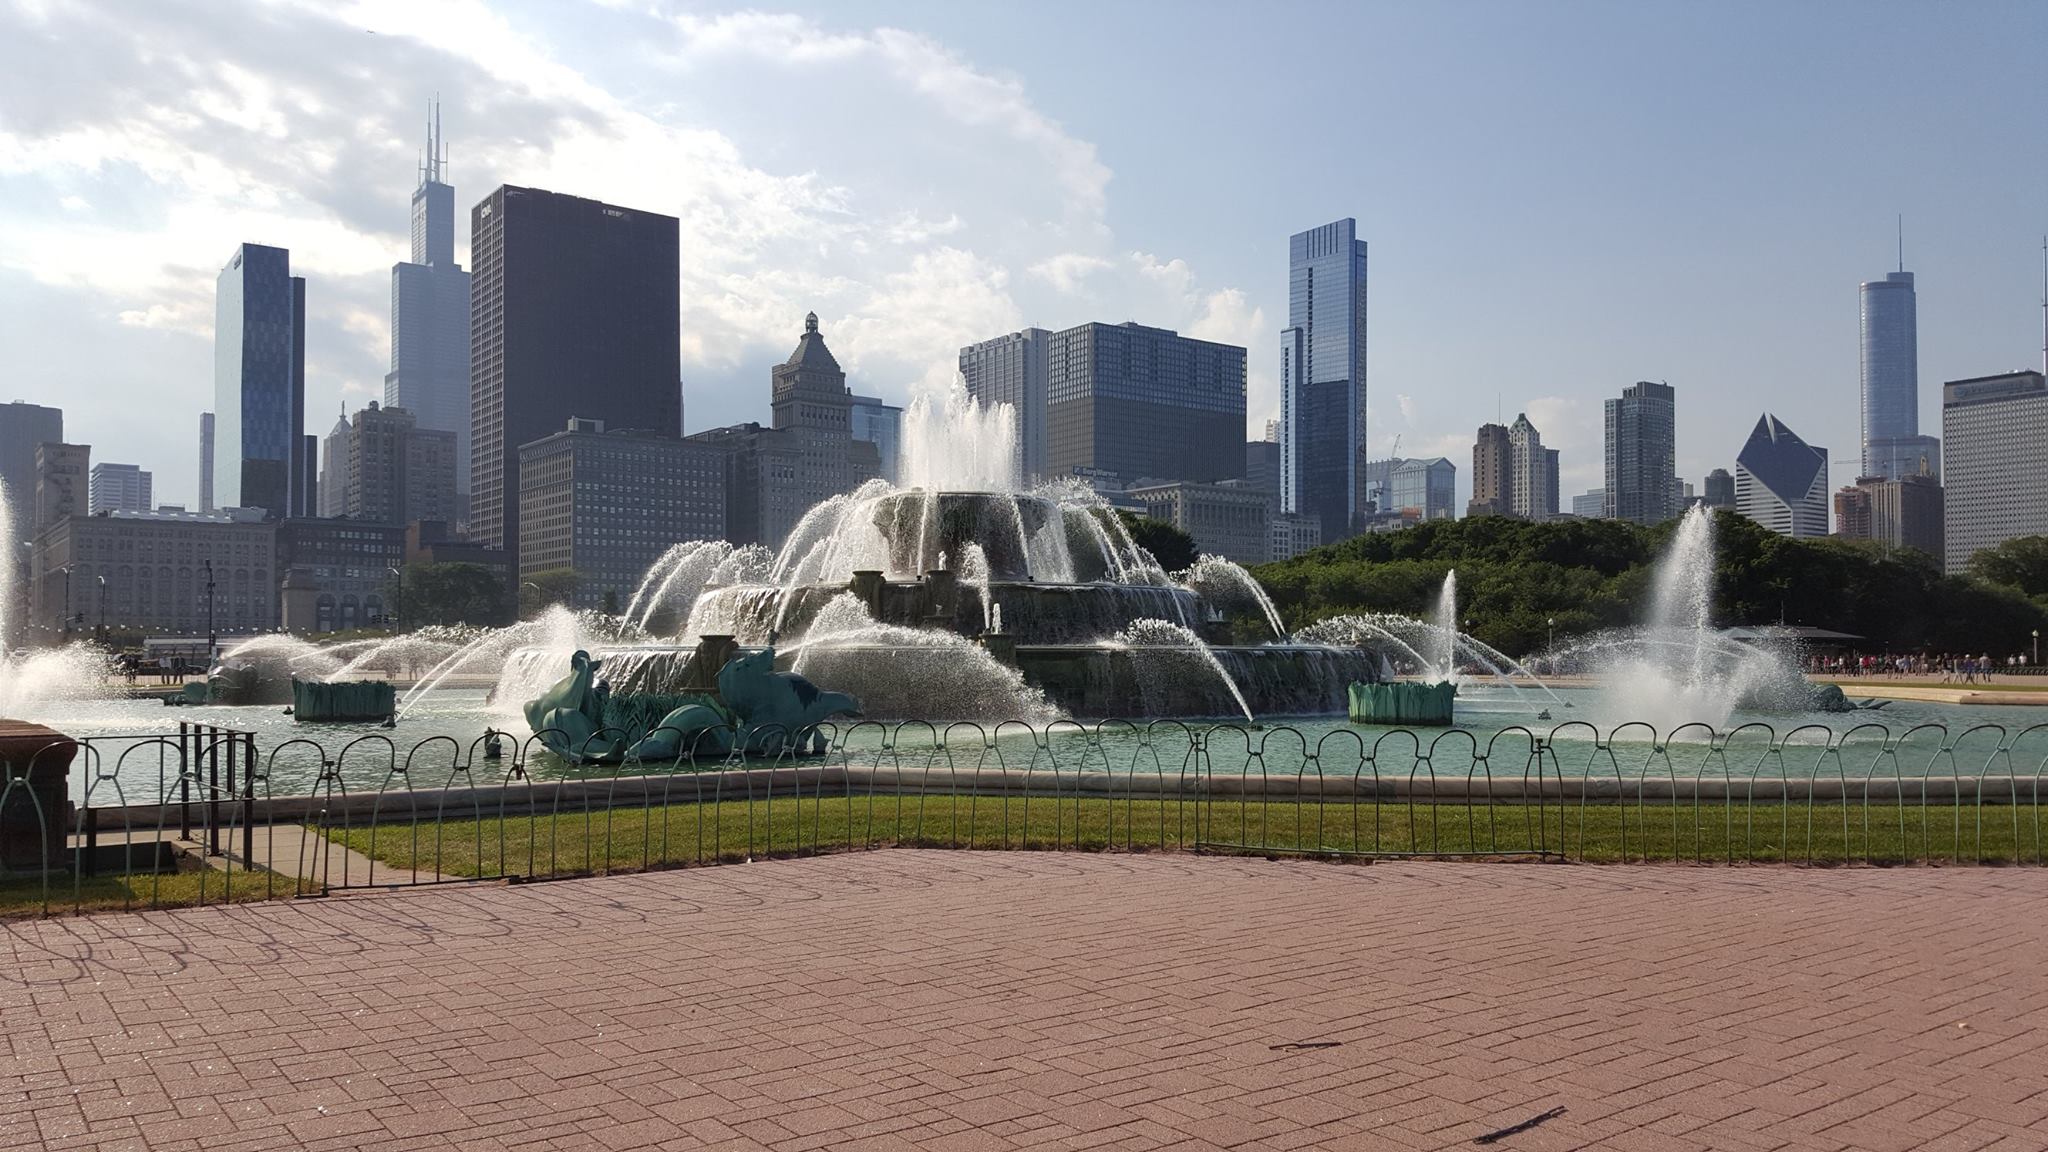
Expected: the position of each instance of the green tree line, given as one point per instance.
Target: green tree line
(1515, 577)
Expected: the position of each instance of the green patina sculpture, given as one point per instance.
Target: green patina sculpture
(570, 714)
(763, 711)
(778, 708)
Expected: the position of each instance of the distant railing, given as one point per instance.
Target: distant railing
(379, 814)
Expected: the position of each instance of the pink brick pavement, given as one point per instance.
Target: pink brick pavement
(970, 1001)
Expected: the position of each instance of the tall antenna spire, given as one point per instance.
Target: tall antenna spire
(1902, 241)
(435, 158)
(2044, 303)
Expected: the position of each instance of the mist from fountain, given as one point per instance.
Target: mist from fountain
(78, 670)
(1172, 662)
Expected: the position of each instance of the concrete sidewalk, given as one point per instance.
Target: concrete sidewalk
(966, 1001)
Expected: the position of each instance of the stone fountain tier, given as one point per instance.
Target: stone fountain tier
(1137, 682)
(1021, 537)
(1031, 613)
(1084, 680)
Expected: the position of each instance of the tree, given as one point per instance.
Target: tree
(546, 588)
(2021, 563)
(1173, 548)
(452, 594)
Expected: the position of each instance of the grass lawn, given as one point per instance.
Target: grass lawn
(20, 896)
(683, 834)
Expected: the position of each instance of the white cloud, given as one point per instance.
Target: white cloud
(1066, 271)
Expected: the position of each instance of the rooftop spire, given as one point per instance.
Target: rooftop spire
(437, 156)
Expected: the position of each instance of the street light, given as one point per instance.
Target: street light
(212, 637)
(103, 609)
(391, 615)
(1553, 632)
(2037, 647)
(537, 593)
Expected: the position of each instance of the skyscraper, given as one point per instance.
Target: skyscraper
(1892, 444)
(1144, 403)
(383, 468)
(1642, 454)
(429, 374)
(1012, 370)
(22, 427)
(880, 423)
(1720, 489)
(1781, 481)
(206, 461)
(1492, 461)
(259, 382)
(1551, 500)
(810, 401)
(1529, 495)
(1994, 430)
(1322, 378)
(575, 311)
(1897, 513)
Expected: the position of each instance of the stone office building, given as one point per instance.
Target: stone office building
(608, 504)
(156, 569)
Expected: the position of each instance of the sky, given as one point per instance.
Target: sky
(1559, 198)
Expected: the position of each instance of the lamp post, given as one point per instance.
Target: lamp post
(391, 615)
(103, 609)
(1553, 633)
(65, 631)
(537, 593)
(2037, 647)
(212, 637)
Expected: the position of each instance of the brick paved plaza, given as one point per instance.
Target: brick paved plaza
(963, 1001)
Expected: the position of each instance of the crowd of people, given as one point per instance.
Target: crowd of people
(1949, 668)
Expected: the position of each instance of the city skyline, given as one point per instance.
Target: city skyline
(787, 212)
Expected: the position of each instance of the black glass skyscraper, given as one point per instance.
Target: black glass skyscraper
(259, 383)
(430, 316)
(575, 310)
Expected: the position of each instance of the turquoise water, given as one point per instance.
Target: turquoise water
(1497, 732)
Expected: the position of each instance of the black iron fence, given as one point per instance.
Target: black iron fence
(190, 817)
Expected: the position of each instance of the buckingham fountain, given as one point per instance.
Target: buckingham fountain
(962, 594)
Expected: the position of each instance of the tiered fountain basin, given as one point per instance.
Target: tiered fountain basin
(914, 600)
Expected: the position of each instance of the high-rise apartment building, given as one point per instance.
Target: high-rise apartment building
(1642, 454)
(575, 310)
(259, 383)
(1781, 481)
(1262, 463)
(1994, 432)
(383, 468)
(1492, 463)
(1897, 513)
(1529, 475)
(206, 461)
(1323, 378)
(22, 427)
(119, 488)
(1012, 370)
(1145, 403)
(1551, 499)
(608, 504)
(1890, 359)
(1425, 488)
(1592, 504)
(430, 339)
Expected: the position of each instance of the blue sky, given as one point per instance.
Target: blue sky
(1559, 198)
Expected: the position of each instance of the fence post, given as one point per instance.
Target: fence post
(249, 799)
(186, 767)
(212, 791)
(92, 839)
